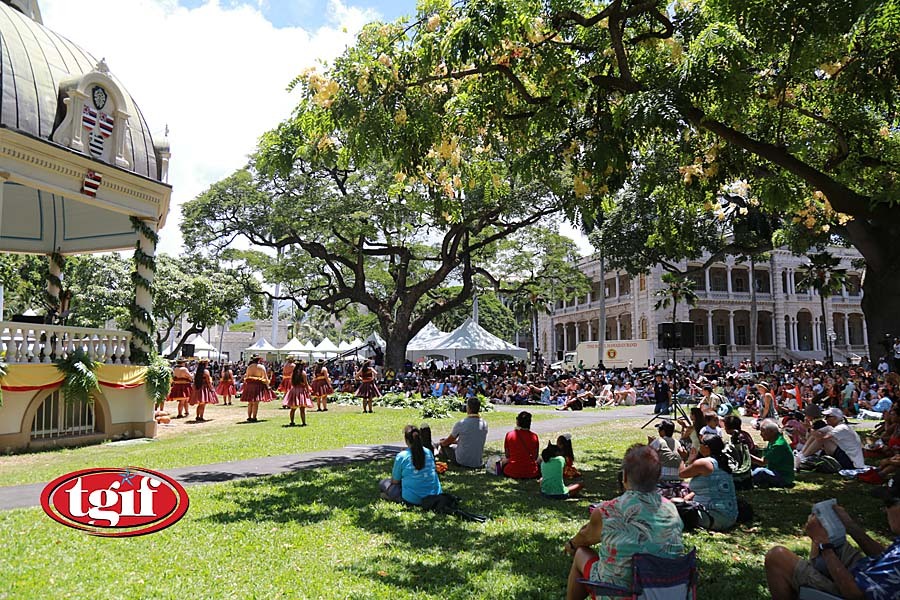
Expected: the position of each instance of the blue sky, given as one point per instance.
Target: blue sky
(312, 14)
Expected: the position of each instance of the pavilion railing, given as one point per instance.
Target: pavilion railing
(31, 343)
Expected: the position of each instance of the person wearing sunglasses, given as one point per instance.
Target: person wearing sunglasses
(871, 572)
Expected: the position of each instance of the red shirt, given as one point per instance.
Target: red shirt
(521, 446)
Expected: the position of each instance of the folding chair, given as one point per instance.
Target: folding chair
(655, 578)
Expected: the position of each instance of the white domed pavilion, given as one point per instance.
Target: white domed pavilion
(79, 172)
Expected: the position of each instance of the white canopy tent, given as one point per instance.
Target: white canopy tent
(297, 348)
(202, 348)
(325, 349)
(469, 340)
(262, 346)
(428, 337)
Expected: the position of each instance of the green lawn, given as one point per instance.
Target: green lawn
(321, 534)
(226, 438)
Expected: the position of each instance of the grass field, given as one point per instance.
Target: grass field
(226, 437)
(323, 534)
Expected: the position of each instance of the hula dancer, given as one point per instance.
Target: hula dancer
(285, 386)
(367, 389)
(299, 394)
(321, 387)
(203, 392)
(256, 388)
(182, 384)
(226, 386)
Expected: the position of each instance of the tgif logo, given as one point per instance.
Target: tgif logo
(115, 502)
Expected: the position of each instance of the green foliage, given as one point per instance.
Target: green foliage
(80, 376)
(158, 379)
(822, 274)
(678, 289)
(431, 408)
(245, 327)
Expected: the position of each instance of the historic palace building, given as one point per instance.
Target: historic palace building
(790, 323)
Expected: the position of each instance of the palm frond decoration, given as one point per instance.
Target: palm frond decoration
(2, 375)
(80, 371)
(158, 379)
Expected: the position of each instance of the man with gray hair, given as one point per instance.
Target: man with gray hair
(465, 444)
(638, 521)
(776, 467)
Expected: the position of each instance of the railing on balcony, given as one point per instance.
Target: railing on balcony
(30, 343)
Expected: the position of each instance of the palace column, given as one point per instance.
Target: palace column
(565, 328)
(865, 335)
(816, 334)
(590, 325)
(779, 338)
(577, 333)
(619, 327)
(795, 343)
(731, 323)
(706, 272)
(709, 326)
(847, 330)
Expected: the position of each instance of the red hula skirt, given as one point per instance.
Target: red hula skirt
(298, 396)
(204, 395)
(368, 389)
(226, 388)
(255, 390)
(321, 387)
(285, 385)
(180, 391)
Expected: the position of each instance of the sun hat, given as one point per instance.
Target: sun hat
(833, 412)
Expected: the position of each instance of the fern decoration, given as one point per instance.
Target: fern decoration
(80, 372)
(158, 379)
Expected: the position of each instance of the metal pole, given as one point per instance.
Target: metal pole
(601, 335)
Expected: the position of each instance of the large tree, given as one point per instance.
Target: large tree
(796, 99)
(344, 234)
(198, 293)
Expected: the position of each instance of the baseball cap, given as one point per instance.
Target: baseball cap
(833, 412)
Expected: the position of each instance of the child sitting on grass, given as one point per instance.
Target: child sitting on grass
(552, 484)
(564, 443)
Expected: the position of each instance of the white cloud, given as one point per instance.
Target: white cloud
(216, 74)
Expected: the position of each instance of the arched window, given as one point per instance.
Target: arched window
(643, 328)
(57, 418)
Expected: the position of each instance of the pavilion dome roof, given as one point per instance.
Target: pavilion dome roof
(37, 66)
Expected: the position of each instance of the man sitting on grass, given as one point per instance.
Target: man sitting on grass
(840, 569)
(640, 520)
(776, 467)
(465, 445)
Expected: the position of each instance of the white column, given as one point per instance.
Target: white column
(617, 286)
(843, 290)
(795, 341)
(709, 322)
(590, 324)
(706, 272)
(865, 335)
(565, 327)
(728, 274)
(619, 327)
(815, 328)
(730, 319)
(577, 333)
(790, 281)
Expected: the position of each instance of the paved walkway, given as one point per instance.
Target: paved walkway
(24, 496)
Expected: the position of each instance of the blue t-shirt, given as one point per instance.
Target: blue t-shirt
(879, 576)
(416, 484)
(883, 405)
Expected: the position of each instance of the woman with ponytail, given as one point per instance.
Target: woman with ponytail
(712, 486)
(414, 476)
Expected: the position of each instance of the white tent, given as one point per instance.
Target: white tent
(261, 347)
(326, 348)
(470, 339)
(202, 348)
(344, 346)
(428, 337)
(297, 348)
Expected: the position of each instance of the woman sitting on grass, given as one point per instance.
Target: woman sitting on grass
(711, 484)
(414, 476)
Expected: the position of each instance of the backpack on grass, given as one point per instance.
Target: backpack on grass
(820, 464)
(448, 504)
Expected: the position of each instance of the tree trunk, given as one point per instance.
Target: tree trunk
(881, 297)
(823, 333)
(396, 339)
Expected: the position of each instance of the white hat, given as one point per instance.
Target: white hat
(833, 412)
